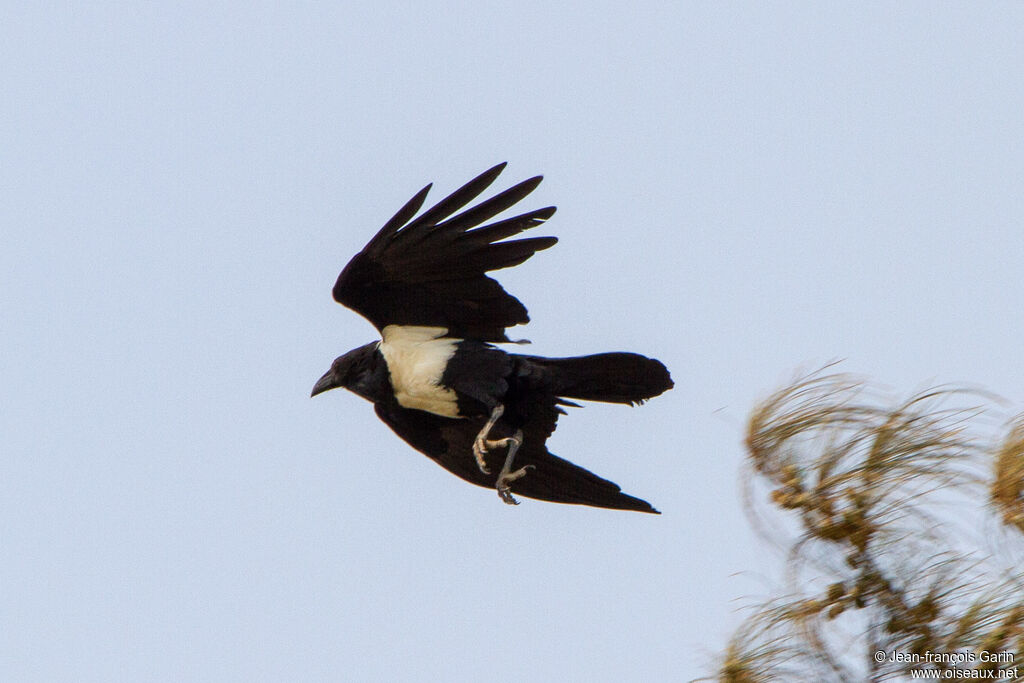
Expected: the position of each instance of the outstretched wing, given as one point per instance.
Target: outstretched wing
(449, 442)
(431, 270)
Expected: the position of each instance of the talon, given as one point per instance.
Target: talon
(507, 476)
(481, 444)
(504, 479)
(506, 496)
(479, 451)
(481, 447)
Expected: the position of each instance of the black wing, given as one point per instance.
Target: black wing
(432, 270)
(449, 442)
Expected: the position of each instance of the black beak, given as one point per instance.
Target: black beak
(324, 384)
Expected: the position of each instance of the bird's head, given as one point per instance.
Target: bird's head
(359, 371)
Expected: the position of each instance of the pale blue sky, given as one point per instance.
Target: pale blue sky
(744, 189)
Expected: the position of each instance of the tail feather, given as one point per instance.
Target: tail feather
(610, 377)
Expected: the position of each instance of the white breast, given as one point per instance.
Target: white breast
(416, 358)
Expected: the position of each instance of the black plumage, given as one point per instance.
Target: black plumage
(436, 377)
(432, 271)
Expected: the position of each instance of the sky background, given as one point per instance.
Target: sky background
(745, 190)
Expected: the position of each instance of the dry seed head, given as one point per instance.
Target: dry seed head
(1007, 493)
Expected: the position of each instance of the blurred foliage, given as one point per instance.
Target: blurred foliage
(902, 525)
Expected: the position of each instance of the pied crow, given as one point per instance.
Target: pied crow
(438, 379)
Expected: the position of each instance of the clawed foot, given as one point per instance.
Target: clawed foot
(479, 451)
(504, 492)
(507, 476)
(481, 444)
(481, 447)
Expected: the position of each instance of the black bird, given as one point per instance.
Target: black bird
(437, 378)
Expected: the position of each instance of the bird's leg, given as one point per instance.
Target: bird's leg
(482, 444)
(507, 476)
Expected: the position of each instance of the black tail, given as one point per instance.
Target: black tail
(610, 377)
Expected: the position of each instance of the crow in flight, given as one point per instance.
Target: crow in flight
(437, 378)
